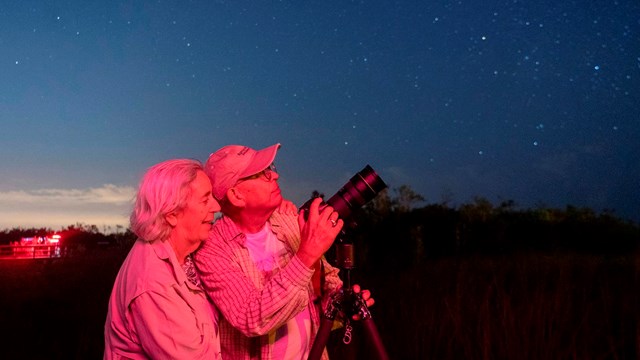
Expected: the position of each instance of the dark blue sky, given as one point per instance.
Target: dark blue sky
(536, 102)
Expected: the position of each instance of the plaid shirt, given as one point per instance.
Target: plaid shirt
(255, 304)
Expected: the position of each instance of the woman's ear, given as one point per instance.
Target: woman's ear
(172, 218)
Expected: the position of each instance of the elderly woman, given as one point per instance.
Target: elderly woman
(158, 308)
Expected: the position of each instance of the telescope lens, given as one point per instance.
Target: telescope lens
(359, 190)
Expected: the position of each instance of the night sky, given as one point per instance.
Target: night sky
(532, 101)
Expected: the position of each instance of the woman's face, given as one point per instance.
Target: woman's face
(194, 221)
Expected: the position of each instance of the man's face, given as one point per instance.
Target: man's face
(261, 191)
(194, 221)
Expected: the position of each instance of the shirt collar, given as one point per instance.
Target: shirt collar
(162, 249)
(233, 233)
(165, 252)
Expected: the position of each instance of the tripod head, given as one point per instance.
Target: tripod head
(345, 253)
(347, 303)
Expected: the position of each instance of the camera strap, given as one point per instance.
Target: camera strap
(317, 279)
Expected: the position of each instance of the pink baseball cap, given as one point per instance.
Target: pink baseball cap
(234, 162)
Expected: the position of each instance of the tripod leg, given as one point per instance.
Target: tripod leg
(374, 338)
(355, 305)
(326, 323)
(321, 339)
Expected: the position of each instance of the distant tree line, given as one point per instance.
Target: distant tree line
(393, 230)
(397, 229)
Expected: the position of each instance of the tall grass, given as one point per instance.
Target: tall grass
(56, 308)
(527, 306)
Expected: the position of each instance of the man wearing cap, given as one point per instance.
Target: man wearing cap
(262, 266)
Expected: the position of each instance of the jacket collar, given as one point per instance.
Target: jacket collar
(165, 252)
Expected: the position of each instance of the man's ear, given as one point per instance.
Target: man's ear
(172, 218)
(235, 197)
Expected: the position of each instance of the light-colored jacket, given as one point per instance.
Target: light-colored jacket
(155, 312)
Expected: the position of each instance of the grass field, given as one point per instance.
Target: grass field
(55, 309)
(528, 306)
(519, 307)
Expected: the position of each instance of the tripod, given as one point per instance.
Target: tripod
(347, 302)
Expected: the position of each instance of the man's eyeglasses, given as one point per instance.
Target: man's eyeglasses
(268, 174)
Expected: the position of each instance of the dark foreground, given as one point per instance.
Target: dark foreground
(520, 306)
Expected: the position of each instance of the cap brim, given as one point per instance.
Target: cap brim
(261, 160)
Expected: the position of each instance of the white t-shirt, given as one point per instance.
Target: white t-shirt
(291, 340)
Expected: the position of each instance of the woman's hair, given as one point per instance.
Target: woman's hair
(164, 188)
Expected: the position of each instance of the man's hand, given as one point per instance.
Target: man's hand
(366, 297)
(317, 232)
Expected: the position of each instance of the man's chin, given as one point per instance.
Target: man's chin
(277, 201)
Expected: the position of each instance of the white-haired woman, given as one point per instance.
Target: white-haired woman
(157, 308)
